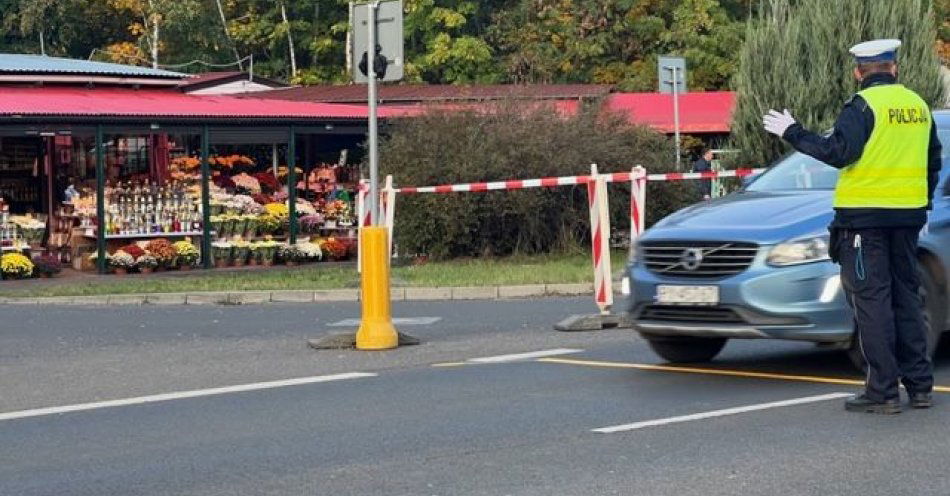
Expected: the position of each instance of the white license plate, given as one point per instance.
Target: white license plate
(687, 295)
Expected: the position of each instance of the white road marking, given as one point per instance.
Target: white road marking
(399, 321)
(524, 356)
(182, 395)
(721, 413)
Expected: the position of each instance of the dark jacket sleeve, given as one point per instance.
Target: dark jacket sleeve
(845, 144)
(934, 163)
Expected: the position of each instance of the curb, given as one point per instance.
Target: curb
(318, 296)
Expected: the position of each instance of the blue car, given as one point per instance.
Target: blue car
(754, 265)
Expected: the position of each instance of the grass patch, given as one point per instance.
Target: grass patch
(543, 269)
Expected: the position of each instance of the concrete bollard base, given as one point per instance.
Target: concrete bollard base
(593, 322)
(347, 341)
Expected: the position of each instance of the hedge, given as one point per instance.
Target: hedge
(516, 141)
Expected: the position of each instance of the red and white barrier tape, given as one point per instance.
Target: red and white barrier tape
(550, 182)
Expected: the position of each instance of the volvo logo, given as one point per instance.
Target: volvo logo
(692, 258)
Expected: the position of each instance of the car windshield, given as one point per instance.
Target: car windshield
(796, 172)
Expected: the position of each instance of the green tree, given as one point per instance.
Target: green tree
(617, 41)
(796, 57)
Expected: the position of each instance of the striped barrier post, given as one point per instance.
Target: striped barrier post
(387, 202)
(600, 240)
(638, 194)
(363, 219)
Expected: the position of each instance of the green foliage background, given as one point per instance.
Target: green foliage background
(447, 41)
(796, 57)
(515, 142)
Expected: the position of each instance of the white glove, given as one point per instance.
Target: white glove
(777, 123)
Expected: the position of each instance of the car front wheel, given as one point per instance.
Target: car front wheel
(686, 349)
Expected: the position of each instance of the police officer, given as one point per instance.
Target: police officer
(885, 142)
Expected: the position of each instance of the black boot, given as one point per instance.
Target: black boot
(919, 400)
(864, 404)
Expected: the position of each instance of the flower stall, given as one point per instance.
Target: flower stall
(88, 171)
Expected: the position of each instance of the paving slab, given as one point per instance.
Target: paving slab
(525, 291)
(166, 299)
(429, 294)
(249, 298)
(475, 293)
(131, 299)
(292, 297)
(206, 298)
(336, 295)
(570, 289)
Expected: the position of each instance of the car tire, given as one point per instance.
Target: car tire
(686, 349)
(934, 318)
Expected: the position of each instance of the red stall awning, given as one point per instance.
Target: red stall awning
(101, 102)
(707, 112)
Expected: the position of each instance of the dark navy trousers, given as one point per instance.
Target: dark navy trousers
(879, 275)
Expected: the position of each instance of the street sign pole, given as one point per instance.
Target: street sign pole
(676, 114)
(373, 130)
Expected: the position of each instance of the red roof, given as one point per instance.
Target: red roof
(158, 104)
(709, 112)
(412, 93)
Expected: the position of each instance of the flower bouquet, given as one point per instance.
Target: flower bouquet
(222, 251)
(16, 266)
(121, 262)
(311, 224)
(310, 252)
(305, 208)
(334, 249)
(289, 254)
(232, 225)
(47, 266)
(249, 221)
(246, 184)
(31, 230)
(268, 224)
(337, 211)
(247, 204)
(146, 263)
(264, 251)
(163, 251)
(267, 181)
(187, 254)
(278, 210)
(133, 249)
(240, 251)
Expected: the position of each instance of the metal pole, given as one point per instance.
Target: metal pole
(206, 261)
(100, 203)
(676, 114)
(292, 182)
(373, 151)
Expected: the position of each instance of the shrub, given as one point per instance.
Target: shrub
(515, 142)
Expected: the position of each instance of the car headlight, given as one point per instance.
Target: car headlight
(800, 251)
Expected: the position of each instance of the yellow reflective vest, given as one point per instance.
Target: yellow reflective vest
(892, 171)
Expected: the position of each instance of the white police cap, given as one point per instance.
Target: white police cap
(876, 51)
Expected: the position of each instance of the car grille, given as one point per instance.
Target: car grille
(698, 259)
(691, 314)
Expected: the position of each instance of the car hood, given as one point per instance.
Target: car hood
(751, 216)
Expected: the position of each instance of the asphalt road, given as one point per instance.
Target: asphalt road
(428, 421)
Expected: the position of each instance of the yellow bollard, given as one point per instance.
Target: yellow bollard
(376, 328)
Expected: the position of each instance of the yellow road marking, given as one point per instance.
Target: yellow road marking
(449, 364)
(722, 372)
